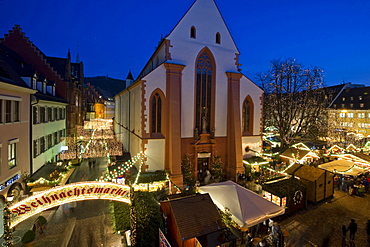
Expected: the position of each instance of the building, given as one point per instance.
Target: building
(195, 221)
(15, 148)
(47, 116)
(191, 98)
(100, 103)
(349, 114)
(67, 76)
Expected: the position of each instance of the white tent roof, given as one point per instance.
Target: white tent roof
(247, 208)
(342, 166)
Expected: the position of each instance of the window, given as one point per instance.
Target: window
(42, 145)
(350, 114)
(351, 98)
(60, 134)
(50, 114)
(343, 106)
(204, 79)
(362, 105)
(247, 116)
(55, 134)
(42, 115)
(351, 105)
(342, 114)
(60, 113)
(156, 114)
(218, 38)
(359, 97)
(50, 141)
(34, 114)
(12, 153)
(54, 114)
(193, 32)
(8, 111)
(344, 99)
(361, 115)
(35, 148)
(335, 105)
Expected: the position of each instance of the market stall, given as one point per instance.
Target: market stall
(319, 182)
(342, 166)
(247, 208)
(286, 192)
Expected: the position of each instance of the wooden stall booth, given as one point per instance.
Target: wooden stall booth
(319, 182)
(286, 192)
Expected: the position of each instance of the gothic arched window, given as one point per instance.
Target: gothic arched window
(156, 114)
(204, 87)
(247, 117)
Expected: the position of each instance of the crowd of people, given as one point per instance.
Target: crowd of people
(265, 234)
(354, 185)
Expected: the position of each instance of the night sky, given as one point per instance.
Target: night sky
(114, 36)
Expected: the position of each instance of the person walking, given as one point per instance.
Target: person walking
(249, 240)
(352, 228)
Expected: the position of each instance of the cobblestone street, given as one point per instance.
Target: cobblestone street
(322, 223)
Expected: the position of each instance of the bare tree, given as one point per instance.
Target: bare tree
(294, 101)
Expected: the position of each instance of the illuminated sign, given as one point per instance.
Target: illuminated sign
(65, 194)
(9, 182)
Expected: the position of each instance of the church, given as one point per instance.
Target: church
(191, 99)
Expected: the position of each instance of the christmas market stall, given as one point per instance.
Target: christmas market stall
(342, 166)
(319, 182)
(195, 221)
(298, 155)
(247, 208)
(286, 192)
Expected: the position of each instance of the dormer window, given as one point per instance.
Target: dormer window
(218, 38)
(193, 32)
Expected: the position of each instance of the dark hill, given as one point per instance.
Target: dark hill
(109, 84)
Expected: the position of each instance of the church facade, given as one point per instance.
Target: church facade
(191, 99)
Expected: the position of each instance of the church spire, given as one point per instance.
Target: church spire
(78, 55)
(129, 76)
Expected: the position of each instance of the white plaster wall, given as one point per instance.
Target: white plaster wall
(155, 79)
(253, 142)
(43, 130)
(155, 154)
(247, 87)
(205, 17)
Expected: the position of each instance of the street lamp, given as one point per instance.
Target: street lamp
(6, 216)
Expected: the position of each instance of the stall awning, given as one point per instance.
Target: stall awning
(342, 166)
(247, 208)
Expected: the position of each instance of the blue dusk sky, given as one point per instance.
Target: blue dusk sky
(114, 36)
